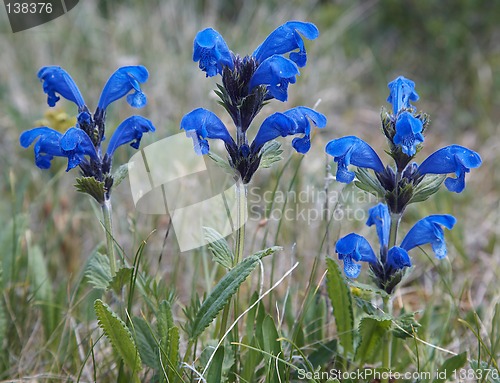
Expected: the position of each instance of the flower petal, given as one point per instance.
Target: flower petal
(210, 49)
(380, 217)
(293, 121)
(276, 72)
(408, 133)
(286, 38)
(451, 159)
(352, 150)
(129, 131)
(47, 146)
(354, 248)
(56, 80)
(397, 258)
(121, 82)
(76, 144)
(429, 230)
(206, 125)
(402, 92)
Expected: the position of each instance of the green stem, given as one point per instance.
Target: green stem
(241, 210)
(108, 226)
(387, 350)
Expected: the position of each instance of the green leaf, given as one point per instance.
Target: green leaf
(372, 329)
(449, 366)
(42, 288)
(340, 296)
(118, 334)
(221, 294)
(406, 325)
(146, 343)
(368, 288)
(91, 186)
(427, 187)
(121, 278)
(214, 373)
(168, 335)
(223, 164)
(173, 353)
(219, 248)
(120, 174)
(98, 271)
(270, 153)
(274, 370)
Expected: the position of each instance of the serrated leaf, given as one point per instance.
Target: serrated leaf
(221, 294)
(120, 174)
(146, 343)
(341, 299)
(449, 366)
(118, 334)
(173, 353)
(121, 278)
(371, 329)
(427, 187)
(91, 186)
(219, 248)
(270, 153)
(98, 272)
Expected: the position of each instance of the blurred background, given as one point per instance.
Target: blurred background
(451, 49)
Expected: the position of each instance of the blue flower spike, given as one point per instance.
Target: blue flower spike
(451, 159)
(351, 150)
(81, 144)
(408, 133)
(429, 230)
(354, 248)
(56, 80)
(212, 52)
(402, 91)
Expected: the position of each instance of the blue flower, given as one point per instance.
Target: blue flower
(398, 258)
(57, 80)
(292, 122)
(354, 248)
(408, 133)
(402, 92)
(353, 150)
(429, 230)
(210, 49)
(81, 145)
(276, 72)
(201, 124)
(268, 65)
(451, 159)
(380, 217)
(286, 38)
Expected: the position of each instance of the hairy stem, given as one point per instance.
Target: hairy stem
(108, 226)
(387, 350)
